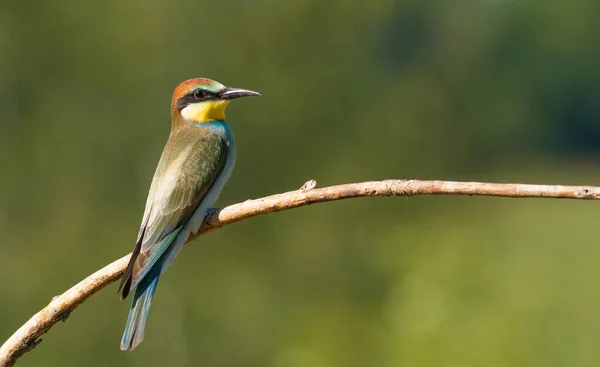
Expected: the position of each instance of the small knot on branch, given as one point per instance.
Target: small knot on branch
(309, 185)
(587, 193)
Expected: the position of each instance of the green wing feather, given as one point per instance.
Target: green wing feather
(189, 165)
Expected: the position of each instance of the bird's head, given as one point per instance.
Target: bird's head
(203, 100)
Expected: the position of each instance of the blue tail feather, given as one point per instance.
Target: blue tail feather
(140, 306)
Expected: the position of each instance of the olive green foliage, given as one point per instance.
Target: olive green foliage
(489, 90)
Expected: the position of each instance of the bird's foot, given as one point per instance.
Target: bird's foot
(210, 213)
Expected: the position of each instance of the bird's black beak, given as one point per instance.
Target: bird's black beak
(232, 93)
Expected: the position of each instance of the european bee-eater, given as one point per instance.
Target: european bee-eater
(193, 168)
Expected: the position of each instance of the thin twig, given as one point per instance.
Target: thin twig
(27, 336)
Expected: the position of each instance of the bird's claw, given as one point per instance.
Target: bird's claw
(210, 212)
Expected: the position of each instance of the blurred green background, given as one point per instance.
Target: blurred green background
(489, 90)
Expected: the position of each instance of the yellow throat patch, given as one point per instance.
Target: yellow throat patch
(205, 111)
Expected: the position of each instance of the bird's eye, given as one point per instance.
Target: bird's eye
(199, 94)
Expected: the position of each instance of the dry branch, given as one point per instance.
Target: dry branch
(26, 337)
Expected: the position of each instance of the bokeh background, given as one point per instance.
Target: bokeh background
(489, 90)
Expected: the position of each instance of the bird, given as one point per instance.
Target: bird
(195, 164)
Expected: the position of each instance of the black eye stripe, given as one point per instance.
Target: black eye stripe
(195, 96)
(202, 95)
